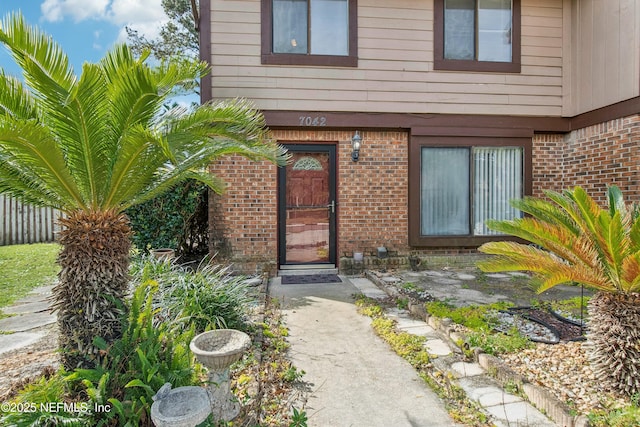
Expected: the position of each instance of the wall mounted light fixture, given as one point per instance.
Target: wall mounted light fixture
(356, 143)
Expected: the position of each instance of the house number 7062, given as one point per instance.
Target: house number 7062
(313, 120)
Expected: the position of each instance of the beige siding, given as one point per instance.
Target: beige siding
(395, 68)
(605, 49)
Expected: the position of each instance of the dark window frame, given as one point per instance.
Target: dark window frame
(440, 63)
(418, 240)
(268, 57)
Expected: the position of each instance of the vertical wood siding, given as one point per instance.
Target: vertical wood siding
(395, 65)
(23, 223)
(605, 53)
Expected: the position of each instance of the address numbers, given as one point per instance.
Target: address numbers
(312, 120)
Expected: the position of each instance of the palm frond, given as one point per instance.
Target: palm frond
(32, 159)
(15, 101)
(578, 241)
(136, 165)
(551, 269)
(631, 273)
(45, 66)
(83, 126)
(546, 211)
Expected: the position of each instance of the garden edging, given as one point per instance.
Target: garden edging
(541, 398)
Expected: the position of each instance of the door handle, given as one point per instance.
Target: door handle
(332, 206)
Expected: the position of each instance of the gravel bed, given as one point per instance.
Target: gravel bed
(564, 370)
(18, 367)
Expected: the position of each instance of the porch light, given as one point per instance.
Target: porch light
(356, 142)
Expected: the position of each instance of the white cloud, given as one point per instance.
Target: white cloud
(78, 10)
(145, 16)
(135, 11)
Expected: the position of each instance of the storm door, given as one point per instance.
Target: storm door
(307, 206)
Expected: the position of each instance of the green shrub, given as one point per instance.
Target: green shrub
(473, 316)
(133, 368)
(209, 297)
(177, 219)
(130, 371)
(26, 410)
(620, 417)
(499, 343)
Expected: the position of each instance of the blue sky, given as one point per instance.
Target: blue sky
(85, 29)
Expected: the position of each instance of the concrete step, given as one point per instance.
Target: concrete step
(307, 271)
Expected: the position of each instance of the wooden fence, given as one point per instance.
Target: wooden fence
(23, 223)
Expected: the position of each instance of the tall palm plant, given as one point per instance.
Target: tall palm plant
(578, 242)
(95, 145)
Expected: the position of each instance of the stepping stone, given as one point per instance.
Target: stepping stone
(397, 313)
(408, 323)
(391, 279)
(33, 298)
(421, 330)
(368, 288)
(24, 322)
(518, 414)
(464, 369)
(18, 340)
(491, 396)
(29, 307)
(498, 276)
(446, 281)
(464, 276)
(437, 347)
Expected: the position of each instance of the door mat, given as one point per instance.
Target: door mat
(310, 278)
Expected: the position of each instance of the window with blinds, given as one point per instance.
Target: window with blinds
(462, 187)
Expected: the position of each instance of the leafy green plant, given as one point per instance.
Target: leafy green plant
(406, 345)
(368, 307)
(499, 343)
(209, 297)
(44, 391)
(292, 374)
(473, 316)
(127, 373)
(620, 417)
(298, 418)
(133, 368)
(176, 219)
(402, 303)
(481, 320)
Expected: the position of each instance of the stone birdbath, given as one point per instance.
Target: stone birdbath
(185, 406)
(217, 350)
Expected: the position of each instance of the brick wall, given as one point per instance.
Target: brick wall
(593, 158)
(243, 221)
(548, 153)
(373, 192)
(605, 154)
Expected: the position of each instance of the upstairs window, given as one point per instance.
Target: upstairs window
(477, 35)
(309, 32)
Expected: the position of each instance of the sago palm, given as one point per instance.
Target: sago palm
(96, 144)
(575, 241)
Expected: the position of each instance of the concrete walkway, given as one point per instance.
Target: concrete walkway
(356, 378)
(28, 316)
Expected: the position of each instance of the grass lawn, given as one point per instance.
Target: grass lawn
(25, 267)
